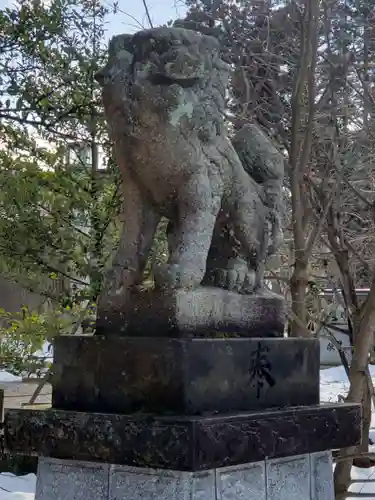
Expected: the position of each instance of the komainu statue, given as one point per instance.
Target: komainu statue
(164, 95)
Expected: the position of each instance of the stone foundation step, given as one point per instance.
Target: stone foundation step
(183, 443)
(302, 477)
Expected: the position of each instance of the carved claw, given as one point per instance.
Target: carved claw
(236, 280)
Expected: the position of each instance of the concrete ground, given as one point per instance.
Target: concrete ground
(18, 394)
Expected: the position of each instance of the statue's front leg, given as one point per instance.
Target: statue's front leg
(198, 203)
(139, 225)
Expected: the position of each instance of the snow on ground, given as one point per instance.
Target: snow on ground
(363, 483)
(333, 383)
(6, 377)
(17, 488)
(45, 352)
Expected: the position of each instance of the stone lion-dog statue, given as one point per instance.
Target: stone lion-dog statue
(164, 93)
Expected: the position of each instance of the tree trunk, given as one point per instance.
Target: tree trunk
(303, 115)
(363, 339)
(298, 287)
(365, 462)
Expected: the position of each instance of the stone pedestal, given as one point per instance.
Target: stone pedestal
(184, 418)
(301, 477)
(204, 312)
(189, 376)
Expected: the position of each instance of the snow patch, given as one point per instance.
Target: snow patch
(17, 487)
(6, 377)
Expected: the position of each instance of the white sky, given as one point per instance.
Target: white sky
(161, 12)
(131, 15)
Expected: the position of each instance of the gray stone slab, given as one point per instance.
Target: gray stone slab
(203, 312)
(150, 484)
(303, 477)
(321, 476)
(203, 486)
(288, 478)
(244, 482)
(71, 480)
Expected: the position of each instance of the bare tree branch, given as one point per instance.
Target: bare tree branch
(147, 13)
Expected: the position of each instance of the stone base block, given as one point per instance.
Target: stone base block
(183, 376)
(303, 477)
(182, 443)
(204, 312)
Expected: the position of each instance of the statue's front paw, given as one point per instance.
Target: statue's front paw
(173, 276)
(236, 280)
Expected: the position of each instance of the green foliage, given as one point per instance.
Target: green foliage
(58, 209)
(24, 333)
(45, 221)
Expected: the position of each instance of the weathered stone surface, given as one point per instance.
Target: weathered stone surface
(289, 478)
(285, 479)
(164, 94)
(243, 482)
(321, 476)
(274, 434)
(204, 312)
(63, 480)
(185, 444)
(184, 376)
(150, 484)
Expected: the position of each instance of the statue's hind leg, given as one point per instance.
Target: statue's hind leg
(251, 229)
(239, 241)
(226, 266)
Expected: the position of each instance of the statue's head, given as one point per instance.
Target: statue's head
(161, 57)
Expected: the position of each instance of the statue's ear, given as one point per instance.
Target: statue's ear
(181, 64)
(120, 43)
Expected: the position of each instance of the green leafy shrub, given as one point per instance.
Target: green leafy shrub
(24, 336)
